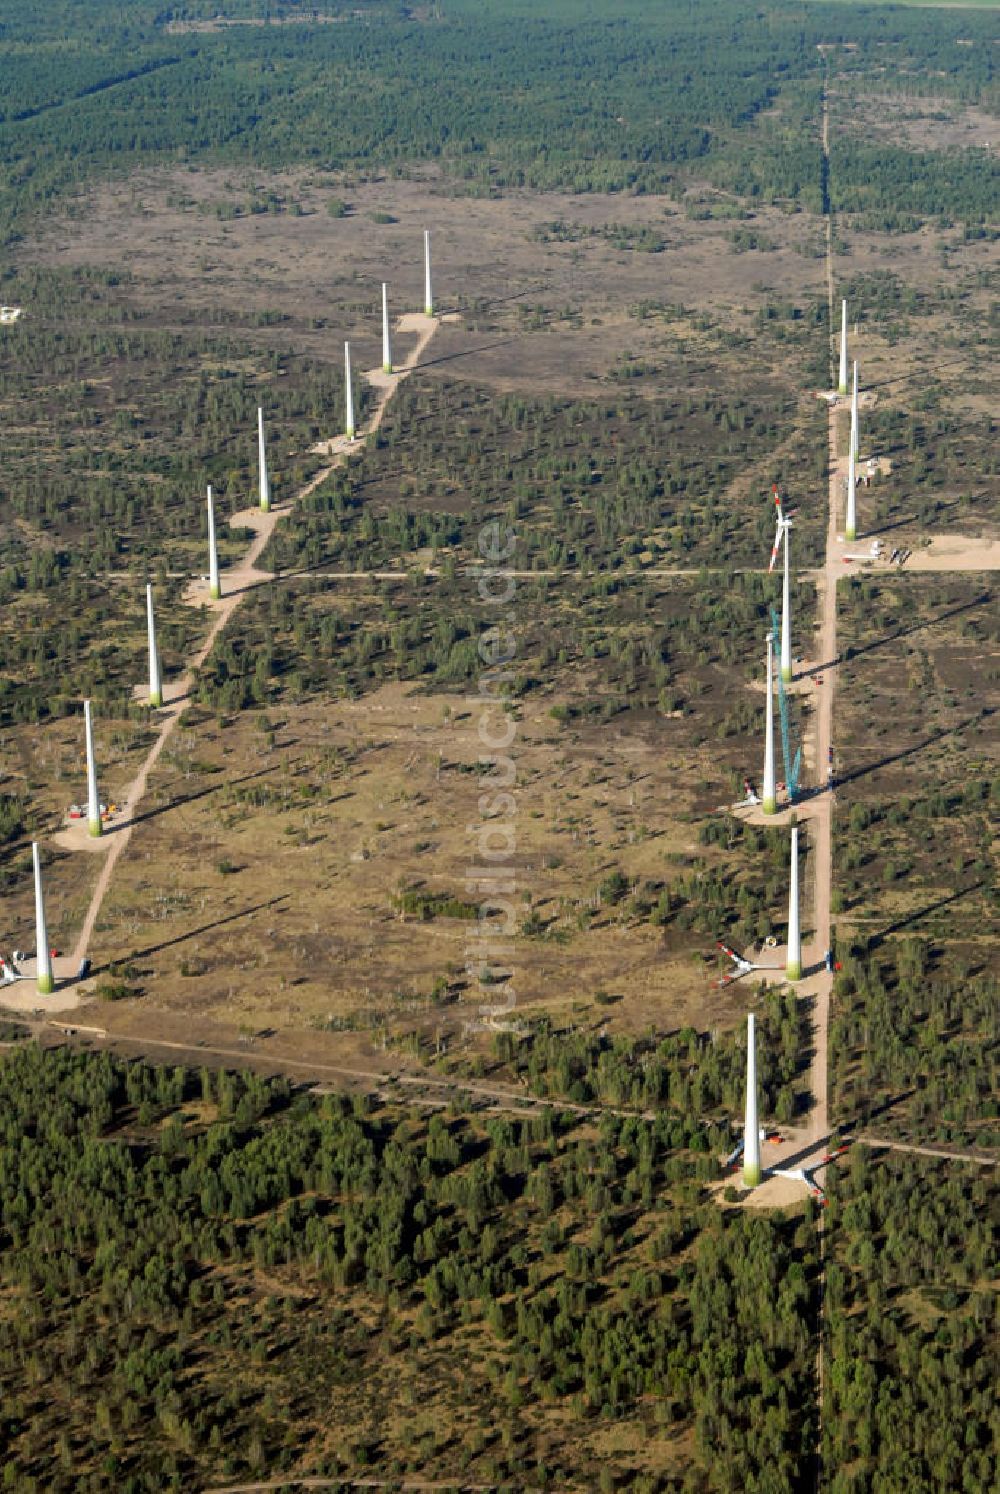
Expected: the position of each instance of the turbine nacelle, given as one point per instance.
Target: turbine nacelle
(741, 965)
(783, 522)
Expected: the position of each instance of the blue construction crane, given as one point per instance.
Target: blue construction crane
(791, 767)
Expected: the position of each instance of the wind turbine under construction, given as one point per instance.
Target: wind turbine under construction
(782, 537)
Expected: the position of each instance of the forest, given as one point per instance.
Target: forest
(209, 1274)
(70, 110)
(685, 1072)
(912, 1348)
(206, 1275)
(911, 1042)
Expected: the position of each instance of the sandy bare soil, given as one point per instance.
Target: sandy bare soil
(773, 1193)
(23, 998)
(956, 555)
(77, 837)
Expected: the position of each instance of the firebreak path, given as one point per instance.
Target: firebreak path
(398, 1084)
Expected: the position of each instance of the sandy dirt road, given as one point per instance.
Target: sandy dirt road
(822, 816)
(949, 1154)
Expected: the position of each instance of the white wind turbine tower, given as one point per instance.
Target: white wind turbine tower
(43, 955)
(842, 375)
(793, 961)
(155, 671)
(386, 335)
(768, 794)
(428, 297)
(214, 589)
(348, 395)
(264, 481)
(752, 1173)
(93, 797)
(851, 507)
(781, 535)
(851, 516)
(855, 429)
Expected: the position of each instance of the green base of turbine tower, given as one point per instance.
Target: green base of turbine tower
(752, 1177)
(793, 970)
(45, 985)
(94, 827)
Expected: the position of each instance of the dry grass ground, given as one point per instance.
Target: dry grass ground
(489, 259)
(265, 891)
(546, 259)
